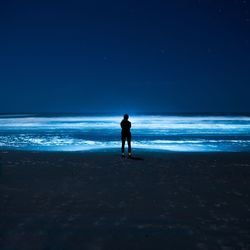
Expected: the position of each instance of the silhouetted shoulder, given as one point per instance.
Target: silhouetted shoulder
(125, 125)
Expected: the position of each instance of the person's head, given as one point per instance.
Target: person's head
(126, 117)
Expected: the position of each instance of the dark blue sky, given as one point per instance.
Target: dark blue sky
(117, 56)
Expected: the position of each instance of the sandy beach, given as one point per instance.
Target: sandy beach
(99, 201)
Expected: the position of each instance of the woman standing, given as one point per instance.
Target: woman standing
(126, 135)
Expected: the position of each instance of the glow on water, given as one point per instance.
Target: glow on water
(170, 133)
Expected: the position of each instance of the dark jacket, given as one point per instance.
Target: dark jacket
(125, 125)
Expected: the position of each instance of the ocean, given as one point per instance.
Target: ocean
(180, 133)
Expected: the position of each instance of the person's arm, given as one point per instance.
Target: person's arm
(129, 124)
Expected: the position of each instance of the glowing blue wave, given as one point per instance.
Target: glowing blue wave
(173, 133)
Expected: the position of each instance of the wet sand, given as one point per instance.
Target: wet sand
(99, 201)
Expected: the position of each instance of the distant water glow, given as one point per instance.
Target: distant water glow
(83, 133)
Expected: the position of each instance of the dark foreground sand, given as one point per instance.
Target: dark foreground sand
(98, 201)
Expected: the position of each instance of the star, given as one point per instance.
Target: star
(163, 51)
(209, 50)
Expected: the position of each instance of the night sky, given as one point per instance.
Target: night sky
(125, 56)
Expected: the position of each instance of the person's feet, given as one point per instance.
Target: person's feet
(129, 156)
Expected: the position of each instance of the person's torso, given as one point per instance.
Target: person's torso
(125, 126)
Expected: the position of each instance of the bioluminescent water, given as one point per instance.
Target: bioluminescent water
(156, 132)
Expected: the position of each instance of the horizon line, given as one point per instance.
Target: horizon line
(130, 113)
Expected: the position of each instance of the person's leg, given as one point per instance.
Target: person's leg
(129, 145)
(123, 145)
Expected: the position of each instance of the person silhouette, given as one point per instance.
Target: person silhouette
(126, 135)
